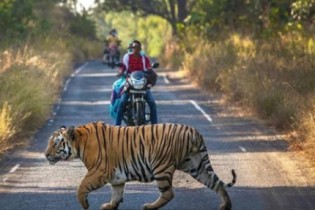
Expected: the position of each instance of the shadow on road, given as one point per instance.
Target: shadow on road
(138, 194)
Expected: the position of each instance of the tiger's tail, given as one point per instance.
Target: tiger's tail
(232, 183)
(215, 182)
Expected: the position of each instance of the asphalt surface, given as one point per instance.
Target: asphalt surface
(269, 176)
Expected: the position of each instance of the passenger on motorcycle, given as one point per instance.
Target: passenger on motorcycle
(118, 87)
(134, 61)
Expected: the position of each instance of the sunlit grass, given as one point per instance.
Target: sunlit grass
(31, 77)
(275, 78)
(172, 56)
(10, 125)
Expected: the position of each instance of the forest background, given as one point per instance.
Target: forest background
(259, 54)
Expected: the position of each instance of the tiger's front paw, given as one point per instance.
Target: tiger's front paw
(83, 201)
(85, 205)
(108, 206)
(147, 207)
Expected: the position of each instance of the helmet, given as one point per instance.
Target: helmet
(113, 32)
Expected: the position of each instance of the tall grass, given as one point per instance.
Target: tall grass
(31, 77)
(10, 123)
(173, 55)
(275, 78)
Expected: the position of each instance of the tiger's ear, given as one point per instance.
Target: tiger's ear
(70, 132)
(63, 127)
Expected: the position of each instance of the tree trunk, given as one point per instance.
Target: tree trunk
(182, 10)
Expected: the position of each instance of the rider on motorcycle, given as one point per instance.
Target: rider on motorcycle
(134, 61)
(112, 42)
(129, 49)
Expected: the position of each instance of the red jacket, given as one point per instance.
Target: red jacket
(136, 63)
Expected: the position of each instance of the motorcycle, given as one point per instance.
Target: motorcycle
(111, 56)
(137, 110)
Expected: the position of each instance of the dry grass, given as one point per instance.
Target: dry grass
(172, 56)
(305, 131)
(274, 78)
(30, 81)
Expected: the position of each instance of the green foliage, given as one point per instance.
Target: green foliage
(15, 18)
(20, 19)
(174, 12)
(151, 31)
(301, 9)
(82, 26)
(36, 56)
(259, 18)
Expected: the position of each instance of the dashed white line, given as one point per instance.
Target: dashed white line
(242, 149)
(166, 80)
(14, 168)
(77, 71)
(88, 103)
(73, 75)
(209, 118)
(201, 110)
(66, 84)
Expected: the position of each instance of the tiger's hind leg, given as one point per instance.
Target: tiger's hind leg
(199, 167)
(164, 183)
(117, 197)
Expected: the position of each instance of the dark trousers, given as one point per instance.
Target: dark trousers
(123, 102)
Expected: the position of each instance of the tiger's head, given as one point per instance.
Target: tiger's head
(60, 145)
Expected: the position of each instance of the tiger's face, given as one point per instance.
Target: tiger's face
(59, 146)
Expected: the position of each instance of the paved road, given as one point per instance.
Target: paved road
(269, 177)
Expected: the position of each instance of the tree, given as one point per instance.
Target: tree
(255, 17)
(303, 13)
(15, 17)
(174, 11)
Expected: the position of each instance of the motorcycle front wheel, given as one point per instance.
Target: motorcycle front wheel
(140, 115)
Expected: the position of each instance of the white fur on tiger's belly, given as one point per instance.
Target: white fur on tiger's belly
(118, 178)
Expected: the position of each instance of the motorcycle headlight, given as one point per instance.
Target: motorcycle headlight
(138, 84)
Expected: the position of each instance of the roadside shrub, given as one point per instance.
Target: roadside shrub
(9, 126)
(274, 77)
(172, 56)
(30, 78)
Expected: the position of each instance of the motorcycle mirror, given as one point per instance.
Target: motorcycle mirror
(155, 65)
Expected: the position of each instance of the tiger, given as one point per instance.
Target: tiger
(119, 154)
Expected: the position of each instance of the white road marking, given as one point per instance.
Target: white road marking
(14, 168)
(86, 103)
(166, 80)
(243, 149)
(80, 69)
(77, 71)
(66, 84)
(73, 75)
(98, 75)
(107, 102)
(209, 118)
(201, 110)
